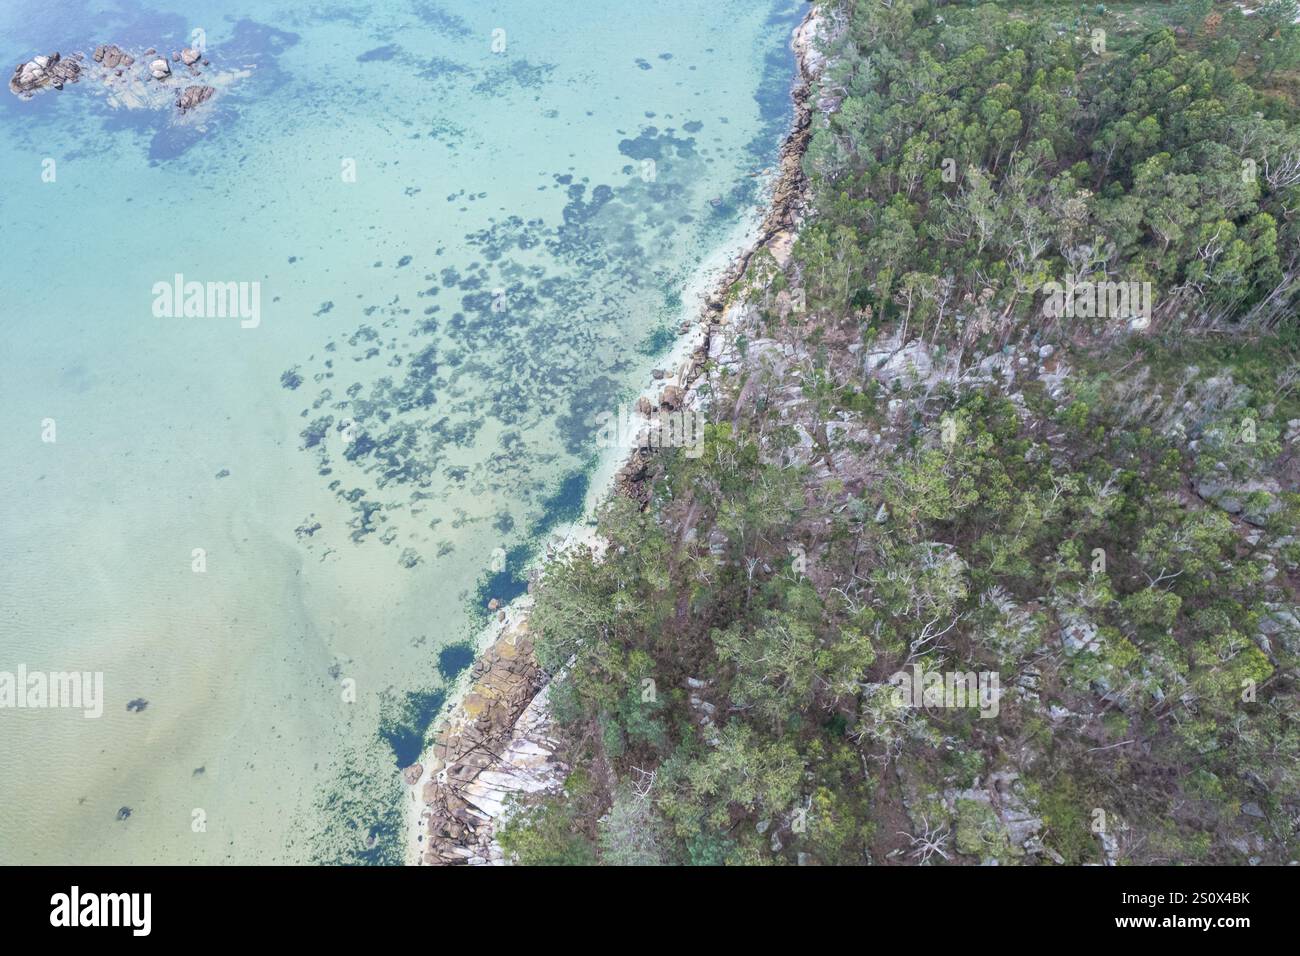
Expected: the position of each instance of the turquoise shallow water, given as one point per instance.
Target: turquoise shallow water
(463, 256)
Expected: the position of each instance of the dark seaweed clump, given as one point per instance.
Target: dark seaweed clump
(453, 659)
(657, 342)
(361, 819)
(565, 505)
(380, 53)
(405, 720)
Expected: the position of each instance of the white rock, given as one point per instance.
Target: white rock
(1080, 635)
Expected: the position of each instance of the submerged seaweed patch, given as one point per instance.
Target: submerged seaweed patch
(508, 583)
(454, 659)
(405, 720)
(652, 144)
(526, 353)
(773, 93)
(565, 504)
(379, 54)
(657, 341)
(361, 818)
(435, 16)
(518, 72)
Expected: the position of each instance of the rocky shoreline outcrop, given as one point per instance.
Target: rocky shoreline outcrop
(135, 81)
(776, 234)
(498, 742)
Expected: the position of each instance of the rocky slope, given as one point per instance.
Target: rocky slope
(496, 743)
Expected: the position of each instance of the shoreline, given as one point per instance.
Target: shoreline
(494, 738)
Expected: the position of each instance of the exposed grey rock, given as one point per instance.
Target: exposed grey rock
(193, 96)
(42, 71)
(1079, 634)
(910, 363)
(1282, 625)
(1233, 497)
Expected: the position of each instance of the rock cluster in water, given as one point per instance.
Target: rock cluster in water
(42, 71)
(112, 57)
(114, 63)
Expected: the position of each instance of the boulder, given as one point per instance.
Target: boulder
(190, 56)
(193, 96)
(160, 69)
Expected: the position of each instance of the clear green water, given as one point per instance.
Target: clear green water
(471, 411)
